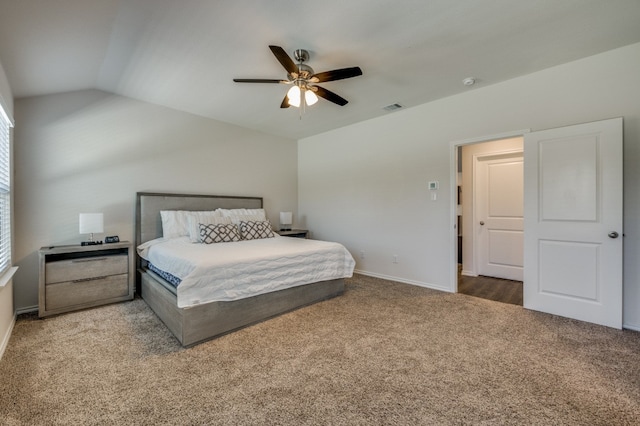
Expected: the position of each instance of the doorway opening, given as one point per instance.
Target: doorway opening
(489, 221)
(573, 196)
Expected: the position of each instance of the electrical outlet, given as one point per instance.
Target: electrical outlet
(395, 258)
(361, 254)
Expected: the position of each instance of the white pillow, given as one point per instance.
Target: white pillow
(195, 219)
(259, 213)
(246, 218)
(175, 223)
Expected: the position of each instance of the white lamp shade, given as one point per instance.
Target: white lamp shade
(91, 223)
(310, 97)
(294, 96)
(286, 218)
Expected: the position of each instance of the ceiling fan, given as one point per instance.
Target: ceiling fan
(303, 79)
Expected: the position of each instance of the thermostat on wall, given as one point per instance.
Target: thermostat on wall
(433, 185)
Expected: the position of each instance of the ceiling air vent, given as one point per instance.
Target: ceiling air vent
(392, 107)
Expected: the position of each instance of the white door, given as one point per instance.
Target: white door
(573, 222)
(499, 215)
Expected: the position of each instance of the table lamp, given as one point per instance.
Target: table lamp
(286, 219)
(91, 223)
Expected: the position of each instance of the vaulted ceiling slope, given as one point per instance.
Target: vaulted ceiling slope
(184, 54)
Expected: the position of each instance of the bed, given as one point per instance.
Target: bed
(196, 319)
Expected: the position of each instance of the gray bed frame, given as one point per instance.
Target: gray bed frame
(203, 322)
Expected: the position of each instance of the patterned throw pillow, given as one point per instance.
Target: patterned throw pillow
(221, 233)
(256, 230)
(202, 218)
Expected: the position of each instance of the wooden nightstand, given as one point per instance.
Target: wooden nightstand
(296, 233)
(76, 277)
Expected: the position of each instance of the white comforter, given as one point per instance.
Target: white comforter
(236, 270)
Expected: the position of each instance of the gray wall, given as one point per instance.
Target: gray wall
(366, 185)
(90, 151)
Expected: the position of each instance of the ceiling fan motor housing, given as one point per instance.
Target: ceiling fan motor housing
(301, 55)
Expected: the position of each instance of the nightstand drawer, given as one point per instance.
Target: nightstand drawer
(76, 277)
(85, 268)
(72, 293)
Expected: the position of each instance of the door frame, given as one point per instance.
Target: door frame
(453, 171)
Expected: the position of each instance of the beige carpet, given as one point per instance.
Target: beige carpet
(382, 354)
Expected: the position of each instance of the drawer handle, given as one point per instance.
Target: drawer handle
(89, 259)
(88, 279)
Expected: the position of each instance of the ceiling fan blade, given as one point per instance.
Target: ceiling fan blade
(285, 102)
(284, 59)
(336, 74)
(329, 95)
(258, 80)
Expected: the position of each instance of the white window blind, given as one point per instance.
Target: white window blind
(5, 192)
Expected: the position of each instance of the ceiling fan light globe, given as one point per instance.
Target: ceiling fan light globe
(294, 96)
(310, 97)
(294, 102)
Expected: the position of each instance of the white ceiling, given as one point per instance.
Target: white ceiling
(184, 54)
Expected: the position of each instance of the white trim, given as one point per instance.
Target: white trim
(631, 327)
(402, 280)
(453, 224)
(6, 277)
(4, 111)
(453, 171)
(27, 310)
(7, 336)
(498, 136)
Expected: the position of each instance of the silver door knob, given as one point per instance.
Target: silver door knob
(481, 222)
(613, 234)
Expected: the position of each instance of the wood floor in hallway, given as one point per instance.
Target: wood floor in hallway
(496, 289)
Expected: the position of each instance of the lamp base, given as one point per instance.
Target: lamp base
(90, 243)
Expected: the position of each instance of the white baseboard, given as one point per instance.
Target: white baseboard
(468, 273)
(403, 280)
(27, 310)
(7, 336)
(632, 327)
